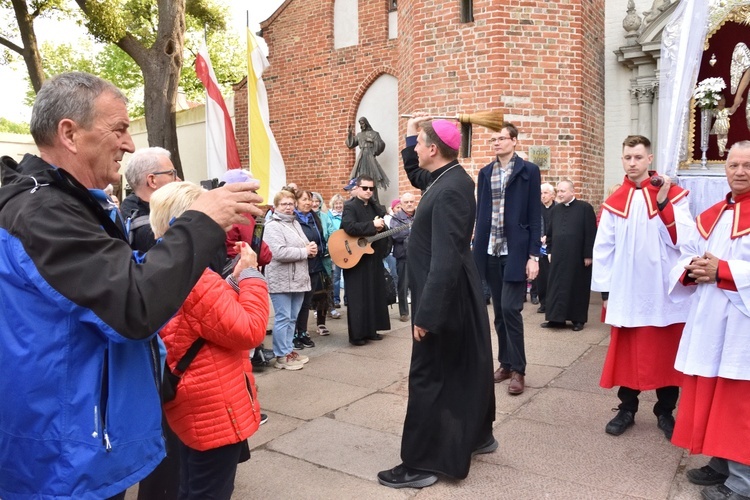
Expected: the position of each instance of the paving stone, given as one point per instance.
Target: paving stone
(381, 412)
(554, 352)
(305, 397)
(584, 374)
(361, 371)
(506, 403)
(626, 465)
(392, 348)
(487, 480)
(277, 425)
(400, 388)
(345, 447)
(269, 475)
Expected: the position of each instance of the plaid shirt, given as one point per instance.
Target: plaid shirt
(498, 182)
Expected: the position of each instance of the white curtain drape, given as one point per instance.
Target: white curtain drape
(681, 50)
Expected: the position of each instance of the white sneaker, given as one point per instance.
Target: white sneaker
(334, 314)
(289, 362)
(300, 357)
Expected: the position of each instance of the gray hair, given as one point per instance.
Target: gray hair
(68, 95)
(739, 145)
(141, 163)
(547, 187)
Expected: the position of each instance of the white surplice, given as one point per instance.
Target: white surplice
(716, 338)
(633, 256)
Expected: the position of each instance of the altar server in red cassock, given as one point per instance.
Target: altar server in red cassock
(714, 354)
(636, 247)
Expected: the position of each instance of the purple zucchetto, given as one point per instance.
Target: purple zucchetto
(448, 133)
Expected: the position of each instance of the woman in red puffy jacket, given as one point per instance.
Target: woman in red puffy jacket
(215, 409)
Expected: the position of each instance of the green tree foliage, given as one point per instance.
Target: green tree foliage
(108, 61)
(151, 32)
(9, 127)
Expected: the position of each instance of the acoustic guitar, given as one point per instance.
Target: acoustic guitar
(346, 251)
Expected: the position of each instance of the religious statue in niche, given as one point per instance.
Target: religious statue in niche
(726, 55)
(370, 145)
(721, 125)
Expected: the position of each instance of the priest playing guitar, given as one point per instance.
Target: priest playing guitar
(365, 282)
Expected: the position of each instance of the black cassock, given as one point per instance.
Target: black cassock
(367, 309)
(451, 391)
(570, 239)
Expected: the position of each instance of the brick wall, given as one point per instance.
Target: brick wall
(539, 62)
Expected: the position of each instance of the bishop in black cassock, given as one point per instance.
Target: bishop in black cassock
(451, 403)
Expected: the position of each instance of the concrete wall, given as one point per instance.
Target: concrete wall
(16, 145)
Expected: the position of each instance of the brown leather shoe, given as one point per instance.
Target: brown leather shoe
(501, 374)
(516, 385)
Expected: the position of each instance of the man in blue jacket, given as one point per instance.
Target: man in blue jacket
(79, 363)
(506, 246)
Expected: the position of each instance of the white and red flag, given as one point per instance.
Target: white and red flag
(221, 147)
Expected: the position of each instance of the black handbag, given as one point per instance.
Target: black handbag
(170, 380)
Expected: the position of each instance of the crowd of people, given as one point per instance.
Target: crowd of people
(194, 274)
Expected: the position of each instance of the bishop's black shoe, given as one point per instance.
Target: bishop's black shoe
(402, 476)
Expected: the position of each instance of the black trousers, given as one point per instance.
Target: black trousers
(403, 287)
(321, 307)
(163, 482)
(665, 404)
(208, 475)
(507, 302)
(541, 279)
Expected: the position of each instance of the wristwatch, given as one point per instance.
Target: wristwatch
(535, 259)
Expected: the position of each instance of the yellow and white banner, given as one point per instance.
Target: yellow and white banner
(266, 163)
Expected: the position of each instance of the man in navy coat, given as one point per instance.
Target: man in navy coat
(506, 246)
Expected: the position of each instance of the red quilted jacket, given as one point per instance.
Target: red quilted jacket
(216, 403)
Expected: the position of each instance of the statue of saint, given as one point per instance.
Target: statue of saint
(370, 145)
(721, 125)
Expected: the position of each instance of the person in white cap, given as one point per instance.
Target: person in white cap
(451, 395)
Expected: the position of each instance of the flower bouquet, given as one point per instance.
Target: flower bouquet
(708, 92)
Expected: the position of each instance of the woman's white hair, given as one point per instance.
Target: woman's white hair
(171, 201)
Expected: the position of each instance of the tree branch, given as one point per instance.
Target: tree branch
(10, 45)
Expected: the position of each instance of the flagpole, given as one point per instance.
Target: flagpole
(249, 132)
(205, 109)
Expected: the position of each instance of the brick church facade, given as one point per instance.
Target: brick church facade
(539, 62)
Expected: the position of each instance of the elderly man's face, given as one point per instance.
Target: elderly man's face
(548, 195)
(408, 203)
(163, 174)
(738, 171)
(101, 147)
